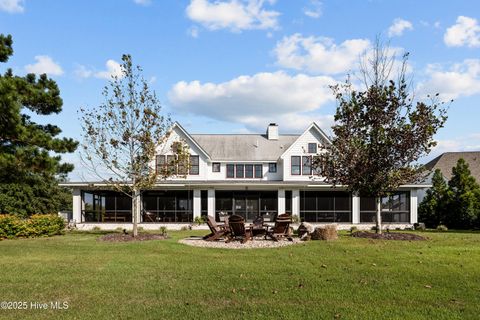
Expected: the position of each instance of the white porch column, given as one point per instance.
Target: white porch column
(77, 206)
(296, 202)
(281, 201)
(413, 206)
(197, 203)
(211, 202)
(355, 208)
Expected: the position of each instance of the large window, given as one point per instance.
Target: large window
(306, 165)
(248, 204)
(194, 165)
(272, 167)
(230, 171)
(258, 171)
(395, 208)
(296, 165)
(325, 206)
(288, 201)
(249, 171)
(106, 206)
(167, 206)
(240, 170)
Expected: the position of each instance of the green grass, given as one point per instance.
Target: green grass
(348, 279)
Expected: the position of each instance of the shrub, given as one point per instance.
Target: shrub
(12, 226)
(353, 229)
(163, 231)
(328, 232)
(96, 228)
(200, 220)
(295, 218)
(442, 227)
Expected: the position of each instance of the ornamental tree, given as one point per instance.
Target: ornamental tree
(122, 135)
(380, 132)
(30, 161)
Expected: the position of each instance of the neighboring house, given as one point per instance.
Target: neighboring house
(446, 161)
(246, 174)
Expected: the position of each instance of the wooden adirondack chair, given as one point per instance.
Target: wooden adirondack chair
(281, 229)
(238, 231)
(216, 231)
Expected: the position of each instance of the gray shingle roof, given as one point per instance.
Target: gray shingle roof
(446, 161)
(243, 147)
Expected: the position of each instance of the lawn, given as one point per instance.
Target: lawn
(344, 279)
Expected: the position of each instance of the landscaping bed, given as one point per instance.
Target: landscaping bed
(388, 236)
(121, 237)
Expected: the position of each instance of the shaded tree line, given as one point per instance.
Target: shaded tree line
(455, 203)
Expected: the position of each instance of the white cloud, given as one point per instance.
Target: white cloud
(256, 100)
(113, 68)
(314, 10)
(235, 15)
(469, 142)
(319, 55)
(143, 2)
(398, 27)
(12, 6)
(466, 32)
(44, 64)
(461, 79)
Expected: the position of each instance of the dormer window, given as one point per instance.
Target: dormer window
(312, 148)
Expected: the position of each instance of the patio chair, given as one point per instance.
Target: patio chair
(281, 229)
(216, 231)
(258, 226)
(238, 231)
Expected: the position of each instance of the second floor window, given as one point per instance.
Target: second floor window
(194, 165)
(296, 165)
(230, 171)
(240, 170)
(216, 167)
(258, 171)
(306, 165)
(249, 171)
(312, 148)
(272, 167)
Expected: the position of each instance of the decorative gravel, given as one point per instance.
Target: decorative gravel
(251, 244)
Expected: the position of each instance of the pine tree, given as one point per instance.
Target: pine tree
(30, 166)
(463, 198)
(431, 210)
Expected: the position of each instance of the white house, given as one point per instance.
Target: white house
(245, 174)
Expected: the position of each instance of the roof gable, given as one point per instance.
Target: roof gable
(190, 138)
(446, 161)
(311, 126)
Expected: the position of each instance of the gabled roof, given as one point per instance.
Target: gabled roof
(446, 161)
(189, 137)
(317, 128)
(244, 147)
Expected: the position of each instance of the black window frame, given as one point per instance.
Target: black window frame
(249, 169)
(299, 165)
(239, 171)
(194, 169)
(258, 168)
(315, 147)
(272, 167)
(230, 169)
(214, 165)
(309, 166)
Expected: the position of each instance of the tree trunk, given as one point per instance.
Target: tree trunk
(378, 219)
(135, 213)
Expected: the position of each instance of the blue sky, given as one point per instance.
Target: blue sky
(233, 66)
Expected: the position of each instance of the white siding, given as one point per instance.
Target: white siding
(300, 148)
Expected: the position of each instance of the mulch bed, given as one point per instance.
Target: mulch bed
(388, 236)
(120, 237)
